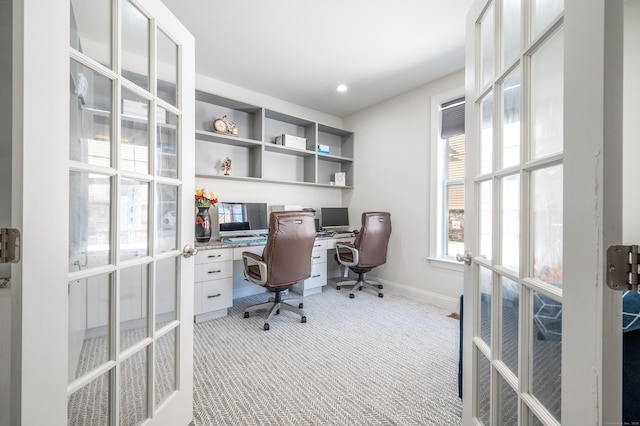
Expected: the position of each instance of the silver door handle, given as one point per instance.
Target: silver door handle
(189, 251)
(466, 257)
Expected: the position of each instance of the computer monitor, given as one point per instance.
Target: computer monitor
(241, 219)
(335, 217)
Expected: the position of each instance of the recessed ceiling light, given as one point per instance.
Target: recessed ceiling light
(341, 88)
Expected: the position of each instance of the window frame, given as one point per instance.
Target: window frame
(438, 203)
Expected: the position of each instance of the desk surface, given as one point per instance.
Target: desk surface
(217, 244)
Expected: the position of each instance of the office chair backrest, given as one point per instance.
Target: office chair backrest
(373, 238)
(287, 252)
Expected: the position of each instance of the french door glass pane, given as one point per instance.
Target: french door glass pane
(89, 220)
(167, 230)
(486, 294)
(511, 33)
(91, 29)
(165, 366)
(511, 120)
(508, 404)
(166, 290)
(167, 63)
(486, 134)
(511, 222)
(89, 405)
(484, 389)
(134, 138)
(89, 324)
(547, 97)
(167, 144)
(544, 12)
(534, 421)
(546, 351)
(487, 42)
(133, 305)
(133, 389)
(510, 323)
(90, 116)
(134, 207)
(546, 221)
(135, 45)
(486, 218)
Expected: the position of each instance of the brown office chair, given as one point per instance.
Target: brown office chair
(367, 251)
(285, 261)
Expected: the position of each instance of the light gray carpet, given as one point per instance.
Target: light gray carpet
(362, 361)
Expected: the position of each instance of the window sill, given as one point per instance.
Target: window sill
(444, 263)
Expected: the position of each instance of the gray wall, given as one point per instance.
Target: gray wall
(393, 173)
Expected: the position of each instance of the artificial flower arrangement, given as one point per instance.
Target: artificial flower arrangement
(204, 198)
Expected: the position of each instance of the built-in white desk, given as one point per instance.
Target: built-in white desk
(219, 275)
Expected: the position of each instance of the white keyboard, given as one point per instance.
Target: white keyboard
(343, 235)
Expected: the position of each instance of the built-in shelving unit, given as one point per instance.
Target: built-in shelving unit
(254, 154)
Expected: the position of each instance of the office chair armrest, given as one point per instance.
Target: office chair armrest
(252, 258)
(354, 253)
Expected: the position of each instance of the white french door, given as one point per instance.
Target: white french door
(103, 122)
(537, 311)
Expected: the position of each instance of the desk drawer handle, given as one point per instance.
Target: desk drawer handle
(214, 295)
(215, 272)
(316, 257)
(317, 245)
(315, 276)
(214, 255)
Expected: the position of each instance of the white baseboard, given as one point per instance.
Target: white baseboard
(451, 304)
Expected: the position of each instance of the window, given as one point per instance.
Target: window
(447, 165)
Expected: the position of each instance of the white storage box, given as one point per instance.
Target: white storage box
(291, 141)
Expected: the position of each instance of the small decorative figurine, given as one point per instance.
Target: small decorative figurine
(226, 166)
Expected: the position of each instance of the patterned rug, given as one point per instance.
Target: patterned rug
(362, 361)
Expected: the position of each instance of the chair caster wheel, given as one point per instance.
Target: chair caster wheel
(303, 319)
(301, 305)
(246, 314)
(337, 287)
(359, 288)
(266, 326)
(278, 312)
(352, 296)
(380, 295)
(380, 286)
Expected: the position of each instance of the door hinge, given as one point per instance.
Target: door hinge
(622, 267)
(9, 245)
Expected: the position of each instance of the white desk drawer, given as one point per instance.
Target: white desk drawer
(210, 256)
(213, 295)
(213, 271)
(319, 256)
(318, 276)
(237, 252)
(320, 245)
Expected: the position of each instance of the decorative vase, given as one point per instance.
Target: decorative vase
(203, 225)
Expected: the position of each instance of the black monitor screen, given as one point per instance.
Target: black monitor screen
(242, 219)
(335, 217)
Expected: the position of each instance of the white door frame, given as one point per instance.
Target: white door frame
(40, 137)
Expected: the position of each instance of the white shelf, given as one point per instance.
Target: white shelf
(254, 155)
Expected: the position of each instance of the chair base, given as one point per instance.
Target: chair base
(274, 305)
(361, 283)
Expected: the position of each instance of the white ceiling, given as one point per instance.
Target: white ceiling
(300, 50)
